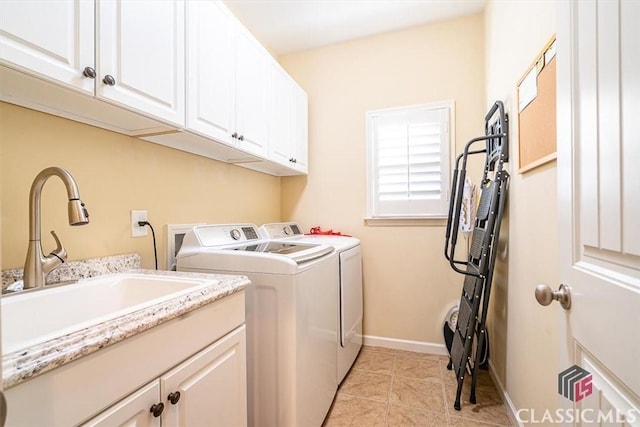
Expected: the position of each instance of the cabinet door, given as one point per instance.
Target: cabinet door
(280, 115)
(299, 122)
(210, 70)
(251, 93)
(212, 386)
(52, 39)
(140, 44)
(132, 411)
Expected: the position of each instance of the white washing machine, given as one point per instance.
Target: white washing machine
(349, 272)
(291, 309)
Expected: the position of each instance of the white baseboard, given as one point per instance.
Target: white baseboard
(408, 345)
(511, 409)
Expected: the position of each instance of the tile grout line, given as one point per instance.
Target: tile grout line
(443, 372)
(393, 375)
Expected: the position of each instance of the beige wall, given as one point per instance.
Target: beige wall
(524, 348)
(115, 174)
(408, 286)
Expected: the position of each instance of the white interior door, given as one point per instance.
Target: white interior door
(599, 207)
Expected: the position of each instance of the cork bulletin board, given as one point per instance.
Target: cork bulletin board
(537, 111)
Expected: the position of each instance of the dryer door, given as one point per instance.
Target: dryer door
(351, 298)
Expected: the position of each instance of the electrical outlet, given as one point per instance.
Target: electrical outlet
(137, 230)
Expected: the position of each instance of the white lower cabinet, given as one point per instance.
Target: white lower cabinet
(200, 354)
(131, 411)
(210, 388)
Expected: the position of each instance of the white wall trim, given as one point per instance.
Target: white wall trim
(408, 345)
(511, 409)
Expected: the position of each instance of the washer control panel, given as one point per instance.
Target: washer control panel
(218, 235)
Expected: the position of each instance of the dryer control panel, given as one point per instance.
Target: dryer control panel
(281, 230)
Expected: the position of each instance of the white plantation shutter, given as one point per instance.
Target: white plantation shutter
(408, 161)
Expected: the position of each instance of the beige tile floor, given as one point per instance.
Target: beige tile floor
(389, 388)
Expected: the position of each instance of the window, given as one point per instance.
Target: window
(408, 158)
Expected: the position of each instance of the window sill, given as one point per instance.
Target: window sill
(406, 222)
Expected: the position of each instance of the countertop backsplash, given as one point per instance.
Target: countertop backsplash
(80, 269)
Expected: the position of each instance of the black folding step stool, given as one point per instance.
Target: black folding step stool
(478, 268)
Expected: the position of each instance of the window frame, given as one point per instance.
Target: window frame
(428, 218)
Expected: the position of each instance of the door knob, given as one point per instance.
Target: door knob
(544, 295)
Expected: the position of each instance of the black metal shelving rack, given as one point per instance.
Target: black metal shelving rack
(478, 268)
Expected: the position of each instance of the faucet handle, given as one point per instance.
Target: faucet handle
(59, 252)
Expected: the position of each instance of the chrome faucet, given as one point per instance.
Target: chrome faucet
(37, 265)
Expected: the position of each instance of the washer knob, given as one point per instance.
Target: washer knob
(286, 231)
(235, 234)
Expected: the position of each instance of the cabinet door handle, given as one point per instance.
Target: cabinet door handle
(241, 137)
(157, 409)
(89, 72)
(234, 135)
(109, 80)
(174, 397)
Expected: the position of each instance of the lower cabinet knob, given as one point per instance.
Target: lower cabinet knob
(157, 409)
(234, 135)
(174, 397)
(241, 137)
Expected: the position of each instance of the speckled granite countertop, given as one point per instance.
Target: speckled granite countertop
(80, 269)
(38, 359)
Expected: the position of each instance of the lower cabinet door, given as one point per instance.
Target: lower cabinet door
(132, 411)
(210, 388)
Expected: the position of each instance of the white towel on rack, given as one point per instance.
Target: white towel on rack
(469, 206)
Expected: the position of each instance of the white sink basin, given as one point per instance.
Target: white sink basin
(34, 317)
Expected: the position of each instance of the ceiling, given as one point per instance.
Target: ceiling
(286, 26)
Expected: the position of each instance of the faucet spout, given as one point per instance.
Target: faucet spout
(37, 265)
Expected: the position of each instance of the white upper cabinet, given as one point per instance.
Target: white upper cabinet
(210, 70)
(54, 39)
(287, 121)
(280, 115)
(140, 55)
(299, 122)
(251, 93)
(185, 74)
(129, 53)
(226, 85)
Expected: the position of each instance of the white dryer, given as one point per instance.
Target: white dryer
(290, 315)
(349, 273)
